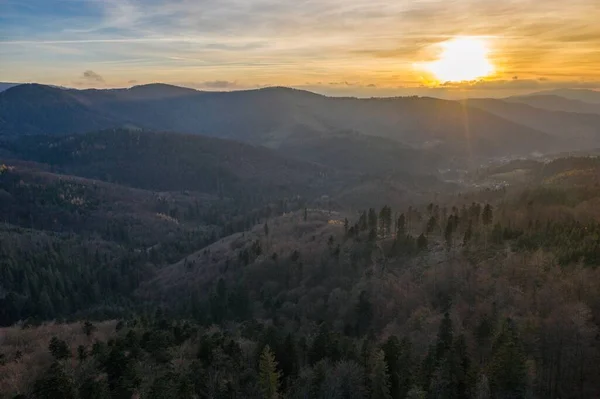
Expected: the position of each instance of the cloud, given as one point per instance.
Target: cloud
(286, 43)
(522, 84)
(219, 84)
(92, 76)
(132, 82)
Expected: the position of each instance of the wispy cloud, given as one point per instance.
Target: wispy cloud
(219, 84)
(292, 42)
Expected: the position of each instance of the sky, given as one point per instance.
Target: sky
(336, 47)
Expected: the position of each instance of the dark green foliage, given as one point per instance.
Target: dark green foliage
(81, 353)
(269, 375)
(507, 369)
(94, 388)
(55, 384)
(431, 224)
(398, 357)
(364, 314)
(488, 215)
(380, 377)
(401, 227)
(422, 243)
(59, 349)
(88, 328)
(571, 241)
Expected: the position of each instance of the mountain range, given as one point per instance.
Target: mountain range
(285, 118)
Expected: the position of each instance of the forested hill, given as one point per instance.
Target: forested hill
(488, 294)
(269, 117)
(175, 162)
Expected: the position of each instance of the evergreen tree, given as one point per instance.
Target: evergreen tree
(88, 328)
(55, 384)
(372, 220)
(468, 234)
(364, 314)
(380, 379)
(81, 353)
(448, 233)
(488, 215)
(288, 358)
(391, 350)
(268, 374)
(444, 338)
(363, 221)
(422, 242)
(94, 388)
(508, 370)
(401, 227)
(59, 349)
(431, 225)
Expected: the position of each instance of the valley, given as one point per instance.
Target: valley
(163, 242)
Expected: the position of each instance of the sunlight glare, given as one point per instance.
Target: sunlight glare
(462, 59)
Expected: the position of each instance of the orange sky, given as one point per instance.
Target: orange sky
(347, 47)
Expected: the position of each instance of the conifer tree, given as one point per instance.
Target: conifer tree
(401, 227)
(508, 371)
(380, 378)
(268, 374)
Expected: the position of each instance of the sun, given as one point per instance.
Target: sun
(462, 59)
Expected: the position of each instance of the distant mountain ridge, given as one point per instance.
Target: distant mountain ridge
(578, 130)
(7, 85)
(554, 102)
(269, 117)
(585, 95)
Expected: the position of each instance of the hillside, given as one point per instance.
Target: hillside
(556, 103)
(565, 173)
(37, 109)
(175, 162)
(268, 117)
(585, 95)
(435, 292)
(6, 85)
(576, 130)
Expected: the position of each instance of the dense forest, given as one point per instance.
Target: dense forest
(122, 288)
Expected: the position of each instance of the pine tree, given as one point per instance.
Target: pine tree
(508, 371)
(55, 384)
(401, 227)
(448, 233)
(88, 329)
(372, 220)
(288, 358)
(380, 378)
(431, 225)
(81, 353)
(444, 338)
(488, 215)
(468, 234)
(422, 242)
(364, 314)
(59, 349)
(268, 374)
